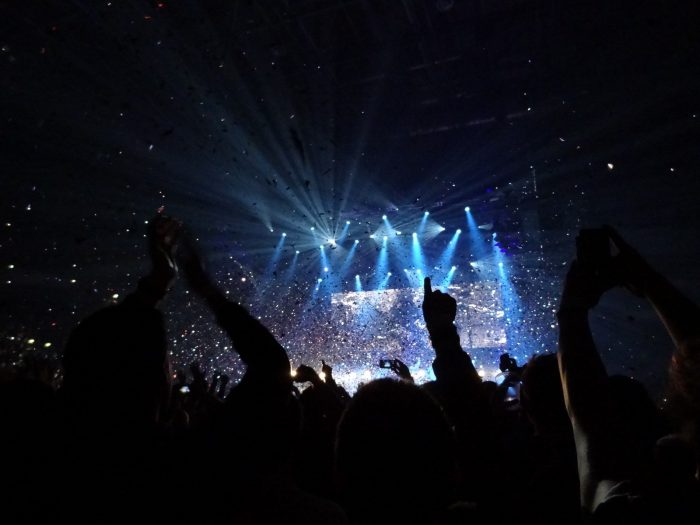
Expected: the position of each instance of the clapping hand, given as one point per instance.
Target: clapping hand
(163, 234)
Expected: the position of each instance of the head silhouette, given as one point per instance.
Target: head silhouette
(541, 395)
(116, 367)
(394, 454)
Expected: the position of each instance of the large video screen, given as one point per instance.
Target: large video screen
(366, 326)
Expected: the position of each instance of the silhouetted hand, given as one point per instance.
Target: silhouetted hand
(631, 270)
(214, 383)
(193, 267)
(180, 378)
(306, 373)
(439, 309)
(506, 363)
(163, 234)
(327, 370)
(582, 290)
(223, 383)
(199, 383)
(401, 370)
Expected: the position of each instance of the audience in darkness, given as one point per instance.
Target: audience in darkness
(124, 439)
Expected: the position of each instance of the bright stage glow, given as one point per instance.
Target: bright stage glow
(388, 324)
(284, 234)
(383, 217)
(357, 241)
(467, 208)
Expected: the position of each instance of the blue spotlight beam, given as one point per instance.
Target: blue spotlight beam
(518, 341)
(423, 222)
(343, 233)
(292, 267)
(276, 255)
(448, 278)
(445, 260)
(384, 282)
(348, 259)
(417, 254)
(382, 262)
(358, 284)
(325, 265)
(477, 244)
(271, 268)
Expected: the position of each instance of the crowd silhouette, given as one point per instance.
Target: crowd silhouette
(123, 438)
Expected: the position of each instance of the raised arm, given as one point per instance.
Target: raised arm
(582, 371)
(126, 341)
(584, 379)
(267, 362)
(451, 364)
(680, 315)
(163, 234)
